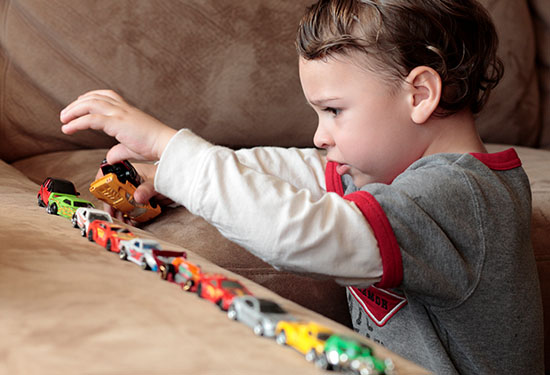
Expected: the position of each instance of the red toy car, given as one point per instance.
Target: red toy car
(220, 289)
(108, 234)
(54, 185)
(163, 257)
(182, 272)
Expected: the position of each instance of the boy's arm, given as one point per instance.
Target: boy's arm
(303, 168)
(291, 228)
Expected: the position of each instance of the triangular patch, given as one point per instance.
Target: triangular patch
(379, 304)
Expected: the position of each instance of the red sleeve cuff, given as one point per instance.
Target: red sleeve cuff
(392, 265)
(387, 243)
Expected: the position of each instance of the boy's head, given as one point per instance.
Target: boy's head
(455, 38)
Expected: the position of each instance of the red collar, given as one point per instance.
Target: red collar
(499, 161)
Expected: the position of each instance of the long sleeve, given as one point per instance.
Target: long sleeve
(293, 225)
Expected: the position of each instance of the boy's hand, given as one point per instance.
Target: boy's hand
(143, 193)
(141, 136)
(146, 190)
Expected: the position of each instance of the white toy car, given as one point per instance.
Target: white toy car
(84, 216)
(140, 251)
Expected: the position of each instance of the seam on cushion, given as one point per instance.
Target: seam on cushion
(390, 252)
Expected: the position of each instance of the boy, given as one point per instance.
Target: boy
(429, 232)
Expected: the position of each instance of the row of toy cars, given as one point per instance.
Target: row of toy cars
(317, 343)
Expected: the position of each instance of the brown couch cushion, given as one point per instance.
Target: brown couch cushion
(512, 113)
(227, 70)
(541, 18)
(69, 307)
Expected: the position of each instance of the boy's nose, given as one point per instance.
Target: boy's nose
(322, 138)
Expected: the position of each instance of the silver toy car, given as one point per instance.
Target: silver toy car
(260, 314)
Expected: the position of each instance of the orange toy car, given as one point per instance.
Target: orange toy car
(117, 188)
(182, 272)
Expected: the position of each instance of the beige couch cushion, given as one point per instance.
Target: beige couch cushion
(70, 307)
(541, 19)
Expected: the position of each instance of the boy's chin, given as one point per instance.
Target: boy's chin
(360, 179)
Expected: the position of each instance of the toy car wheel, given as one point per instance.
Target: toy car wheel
(166, 270)
(311, 355)
(258, 329)
(122, 254)
(232, 313)
(74, 221)
(109, 245)
(188, 285)
(281, 338)
(52, 209)
(322, 362)
(83, 231)
(220, 304)
(199, 291)
(40, 202)
(144, 266)
(90, 236)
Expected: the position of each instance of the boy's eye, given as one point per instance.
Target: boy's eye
(334, 111)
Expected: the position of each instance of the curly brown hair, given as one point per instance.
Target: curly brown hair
(456, 38)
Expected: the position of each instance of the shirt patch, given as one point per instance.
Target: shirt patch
(379, 304)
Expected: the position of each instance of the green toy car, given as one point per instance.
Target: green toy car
(65, 204)
(349, 355)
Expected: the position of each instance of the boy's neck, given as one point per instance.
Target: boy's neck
(454, 134)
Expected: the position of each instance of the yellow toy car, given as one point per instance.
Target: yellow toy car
(306, 337)
(117, 188)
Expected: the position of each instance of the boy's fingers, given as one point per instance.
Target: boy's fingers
(144, 192)
(84, 106)
(89, 121)
(99, 174)
(105, 93)
(120, 152)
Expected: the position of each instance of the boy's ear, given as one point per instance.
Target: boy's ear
(424, 93)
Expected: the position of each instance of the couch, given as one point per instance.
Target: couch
(227, 70)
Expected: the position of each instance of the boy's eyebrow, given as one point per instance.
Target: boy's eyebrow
(321, 101)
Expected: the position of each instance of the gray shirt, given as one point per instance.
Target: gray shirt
(466, 299)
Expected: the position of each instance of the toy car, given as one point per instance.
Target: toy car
(260, 314)
(108, 234)
(117, 188)
(54, 185)
(182, 272)
(306, 337)
(140, 251)
(349, 355)
(84, 216)
(60, 197)
(220, 289)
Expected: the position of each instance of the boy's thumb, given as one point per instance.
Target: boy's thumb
(144, 192)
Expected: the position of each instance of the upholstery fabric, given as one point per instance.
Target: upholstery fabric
(178, 226)
(228, 72)
(70, 307)
(541, 20)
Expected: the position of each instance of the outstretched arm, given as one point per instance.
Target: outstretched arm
(289, 227)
